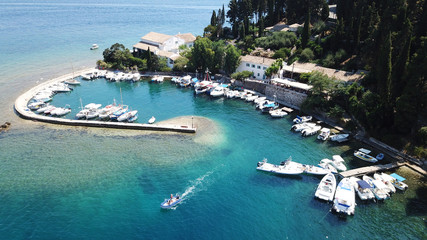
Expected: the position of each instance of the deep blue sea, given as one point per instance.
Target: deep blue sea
(61, 182)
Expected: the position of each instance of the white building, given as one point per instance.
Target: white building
(163, 45)
(255, 64)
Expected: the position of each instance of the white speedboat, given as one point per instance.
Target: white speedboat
(397, 181)
(302, 119)
(94, 46)
(345, 199)
(339, 137)
(171, 202)
(363, 189)
(310, 169)
(287, 167)
(251, 98)
(185, 81)
(324, 134)
(49, 109)
(310, 130)
(151, 120)
(126, 116)
(218, 91)
(301, 126)
(325, 163)
(36, 105)
(326, 188)
(338, 163)
(72, 81)
(259, 100)
(60, 111)
(378, 188)
(385, 178)
(363, 154)
(278, 113)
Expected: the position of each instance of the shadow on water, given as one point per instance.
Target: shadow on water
(146, 184)
(417, 206)
(273, 180)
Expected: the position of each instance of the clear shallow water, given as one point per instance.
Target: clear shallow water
(77, 183)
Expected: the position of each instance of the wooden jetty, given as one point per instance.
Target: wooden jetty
(370, 169)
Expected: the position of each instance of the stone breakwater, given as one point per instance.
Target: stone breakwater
(23, 111)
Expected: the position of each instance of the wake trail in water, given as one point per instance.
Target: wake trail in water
(197, 185)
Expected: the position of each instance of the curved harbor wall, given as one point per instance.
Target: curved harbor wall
(23, 111)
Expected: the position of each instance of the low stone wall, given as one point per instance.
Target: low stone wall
(284, 96)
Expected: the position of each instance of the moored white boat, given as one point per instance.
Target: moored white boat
(338, 163)
(339, 137)
(363, 189)
(94, 46)
(287, 167)
(363, 154)
(345, 199)
(325, 163)
(278, 113)
(72, 81)
(311, 169)
(301, 126)
(397, 181)
(310, 130)
(324, 134)
(302, 119)
(151, 120)
(378, 188)
(126, 116)
(60, 111)
(386, 180)
(326, 188)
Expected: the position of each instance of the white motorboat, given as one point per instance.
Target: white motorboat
(93, 106)
(301, 126)
(60, 111)
(36, 105)
(287, 167)
(339, 137)
(151, 120)
(310, 130)
(122, 109)
(49, 109)
(94, 46)
(105, 112)
(311, 169)
(363, 154)
(363, 189)
(126, 116)
(397, 181)
(72, 81)
(302, 119)
(259, 100)
(231, 94)
(92, 113)
(136, 76)
(385, 178)
(378, 188)
(345, 199)
(42, 109)
(251, 98)
(185, 81)
(157, 78)
(171, 202)
(325, 163)
(278, 113)
(338, 163)
(324, 134)
(326, 188)
(218, 91)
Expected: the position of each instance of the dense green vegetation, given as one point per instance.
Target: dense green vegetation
(386, 38)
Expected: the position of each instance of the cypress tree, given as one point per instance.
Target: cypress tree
(261, 27)
(213, 18)
(383, 68)
(306, 31)
(242, 31)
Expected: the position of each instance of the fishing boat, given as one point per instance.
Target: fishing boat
(378, 188)
(339, 137)
(325, 164)
(386, 180)
(363, 154)
(310, 130)
(338, 163)
(151, 120)
(94, 46)
(397, 181)
(219, 90)
(302, 119)
(345, 200)
(185, 81)
(326, 188)
(171, 202)
(311, 169)
(287, 167)
(324, 134)
(362, 188)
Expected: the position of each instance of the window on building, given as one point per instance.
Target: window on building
(263, 76)
(248, 65)
(258, 74)
(259, 67)
(264, 68)
(253, 65)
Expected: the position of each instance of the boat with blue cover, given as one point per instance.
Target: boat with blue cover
(397, 181)
(171, 202)
(345, 201)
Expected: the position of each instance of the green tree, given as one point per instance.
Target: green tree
(232, 59)
(202, 54)
(213, 18)
(306, 31)
(117, 55)
(180, 64)
(242, 75)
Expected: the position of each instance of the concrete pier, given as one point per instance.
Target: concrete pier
(23, 111)
(370, 169)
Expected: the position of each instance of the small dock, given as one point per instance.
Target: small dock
(370, 169)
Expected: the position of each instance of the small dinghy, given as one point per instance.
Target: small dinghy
(171, 202)
(152, 120)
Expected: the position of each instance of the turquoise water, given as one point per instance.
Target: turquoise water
(59, 182)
